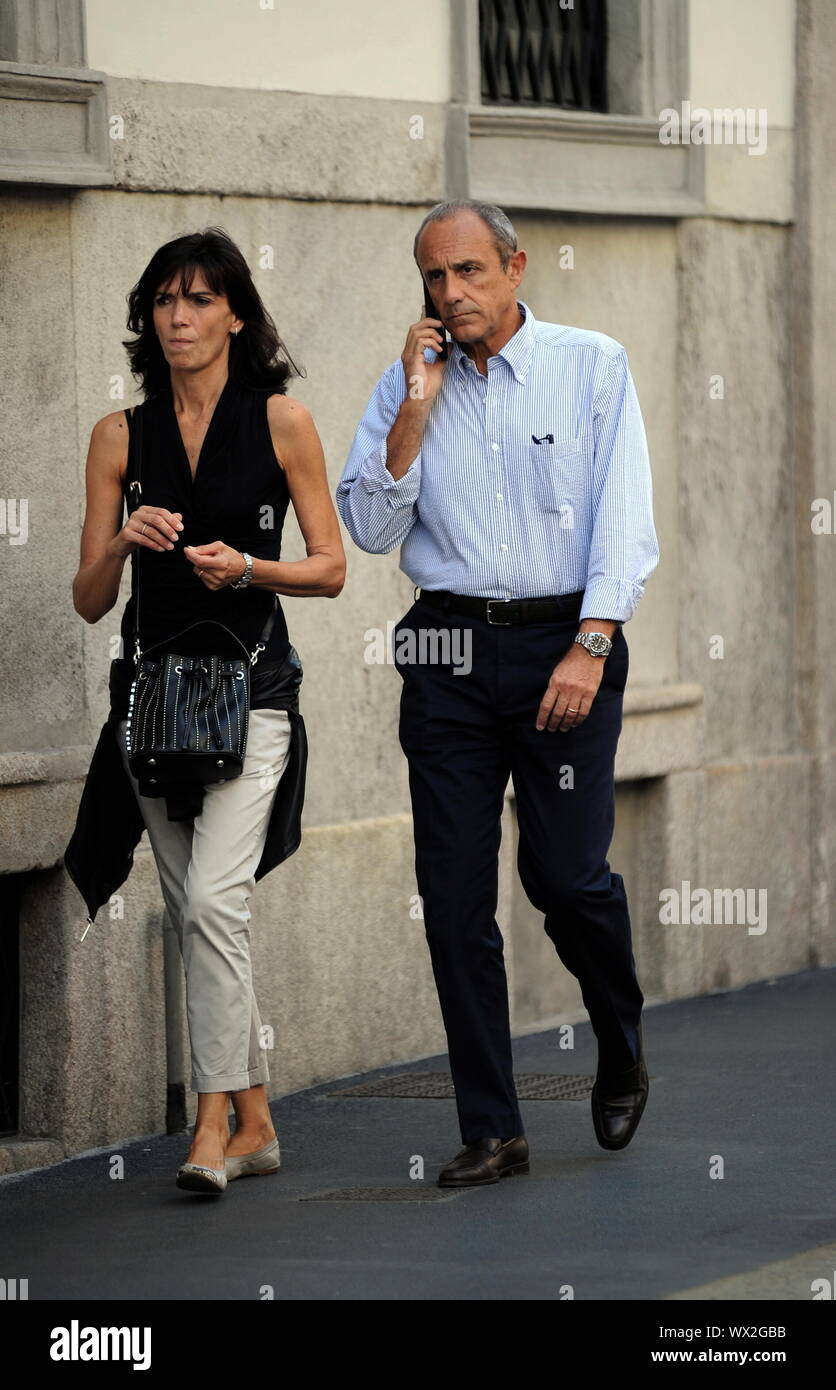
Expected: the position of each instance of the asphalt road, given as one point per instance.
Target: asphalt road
(745, 1079)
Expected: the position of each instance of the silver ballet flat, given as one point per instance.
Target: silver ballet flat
(260, 1161)
(196, 1177)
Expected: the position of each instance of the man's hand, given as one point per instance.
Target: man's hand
(572, 687)
(215, 564)
(423, 383)
(423, 379)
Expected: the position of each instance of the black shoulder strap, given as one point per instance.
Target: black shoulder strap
(268, 626)
(135, 493)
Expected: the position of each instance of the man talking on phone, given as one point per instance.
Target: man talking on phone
(514, 474)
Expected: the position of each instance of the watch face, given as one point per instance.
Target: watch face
(597, 643)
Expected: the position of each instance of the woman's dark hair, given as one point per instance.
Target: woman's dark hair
(257, 355)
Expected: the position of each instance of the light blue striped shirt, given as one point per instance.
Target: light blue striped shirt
(484, 509)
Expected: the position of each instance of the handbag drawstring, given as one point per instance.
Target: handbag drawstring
(191, 706)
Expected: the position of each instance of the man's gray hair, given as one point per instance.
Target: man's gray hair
(505, 238)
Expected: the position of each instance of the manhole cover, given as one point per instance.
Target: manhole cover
(438, 1085)
(416, 1193)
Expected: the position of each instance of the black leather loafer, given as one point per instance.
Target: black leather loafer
(486, 1160)
(618, 1101)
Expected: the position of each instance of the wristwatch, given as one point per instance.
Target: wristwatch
(246, 576)
(595, 643)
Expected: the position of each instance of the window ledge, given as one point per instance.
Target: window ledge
(546, 159)
(54, 126)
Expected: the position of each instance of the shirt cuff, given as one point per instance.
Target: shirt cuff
(607, 597)
(375, 477)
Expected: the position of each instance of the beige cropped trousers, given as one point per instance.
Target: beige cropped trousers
(207, 873)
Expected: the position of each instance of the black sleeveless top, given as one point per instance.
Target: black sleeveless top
(239, 495)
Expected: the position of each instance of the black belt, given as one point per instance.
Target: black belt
(504, 612)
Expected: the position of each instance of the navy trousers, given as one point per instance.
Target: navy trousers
(463, 734)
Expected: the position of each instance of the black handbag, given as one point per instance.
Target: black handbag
(188, 716)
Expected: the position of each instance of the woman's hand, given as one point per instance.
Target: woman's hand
(152, 527)
(215, 564)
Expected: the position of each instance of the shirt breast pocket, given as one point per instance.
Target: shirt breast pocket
(561, 474)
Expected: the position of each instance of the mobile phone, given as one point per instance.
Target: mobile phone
(431, 312)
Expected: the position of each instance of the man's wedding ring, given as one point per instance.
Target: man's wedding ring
(142, 532)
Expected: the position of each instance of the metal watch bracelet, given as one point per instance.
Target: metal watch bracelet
(247, 575)
(596, 643)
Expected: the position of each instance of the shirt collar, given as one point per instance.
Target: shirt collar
(516, 352)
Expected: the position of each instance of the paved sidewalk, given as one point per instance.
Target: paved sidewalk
(747, 1076)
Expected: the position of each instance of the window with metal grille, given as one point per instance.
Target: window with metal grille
(538, 53)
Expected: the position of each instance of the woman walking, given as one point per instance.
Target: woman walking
(224, 451)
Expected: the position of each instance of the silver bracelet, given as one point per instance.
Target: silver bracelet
(247, 575)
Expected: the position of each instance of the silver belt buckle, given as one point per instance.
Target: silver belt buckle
(490, 619)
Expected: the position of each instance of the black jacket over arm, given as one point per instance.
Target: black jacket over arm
(109, 824)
